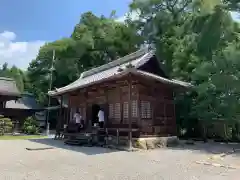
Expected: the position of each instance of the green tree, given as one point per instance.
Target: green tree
(195, 40)
(15, 73)
(189, 35)
(94, 41)
(220, 88)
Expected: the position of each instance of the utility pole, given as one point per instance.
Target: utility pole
(50, 88)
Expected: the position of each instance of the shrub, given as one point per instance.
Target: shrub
(6, 125)
(30, 126)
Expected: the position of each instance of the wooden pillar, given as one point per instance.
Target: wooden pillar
(165, 118)
(139, 108)
(121, 103)
(174, 114)
(68, 110)
(61, 114)
(68, 114)
(130, 110)
(87, 124)
(153, 114)
(59, 117)
(64, 116)
(117, 136)
(106, 113)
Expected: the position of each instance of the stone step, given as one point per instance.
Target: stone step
(72, 142)
(76, 141)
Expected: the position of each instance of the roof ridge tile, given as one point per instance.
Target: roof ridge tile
(117, 62)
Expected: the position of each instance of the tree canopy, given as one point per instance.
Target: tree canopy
(195, 40)
(94, 41)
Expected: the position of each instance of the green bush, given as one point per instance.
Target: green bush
(30, 126)
(6, 125)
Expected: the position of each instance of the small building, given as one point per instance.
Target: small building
(134, 92)
(8, 91)
(23, 107)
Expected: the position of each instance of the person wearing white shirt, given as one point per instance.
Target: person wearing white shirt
(101, 118)
(77, 117)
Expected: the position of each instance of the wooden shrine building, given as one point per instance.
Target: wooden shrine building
(133, 91)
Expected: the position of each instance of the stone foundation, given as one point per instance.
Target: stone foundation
(146, 143)
(155, 142)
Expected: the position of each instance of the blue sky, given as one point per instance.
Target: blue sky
(27, 24)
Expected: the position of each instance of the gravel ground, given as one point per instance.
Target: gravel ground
(83, 163)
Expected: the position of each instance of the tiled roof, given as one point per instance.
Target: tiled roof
(8, 87)
(25, 102)
(135, 59)
(111, 71)
(163, 80)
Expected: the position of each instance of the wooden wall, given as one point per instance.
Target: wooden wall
(118, 105)
(156, 108)
(164, 114)
(152, 107)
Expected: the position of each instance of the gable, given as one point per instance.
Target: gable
(154, 67)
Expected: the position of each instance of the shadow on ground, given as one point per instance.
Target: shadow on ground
(211, 147)
(81, 149)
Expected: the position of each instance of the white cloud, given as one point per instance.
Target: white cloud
(17, 53)
(8, 35)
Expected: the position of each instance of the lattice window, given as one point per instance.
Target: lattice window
(146, 111)
(117, 111)
(134, 108)
(125, 110)
(111, 110)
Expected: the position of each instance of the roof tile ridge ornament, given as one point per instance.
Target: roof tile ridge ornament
(53, 90)
(129, 66)
(120, 69)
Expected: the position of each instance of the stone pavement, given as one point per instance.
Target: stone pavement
(92, 163)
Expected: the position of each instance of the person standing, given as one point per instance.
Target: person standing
(77, 117)
(101, 118)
